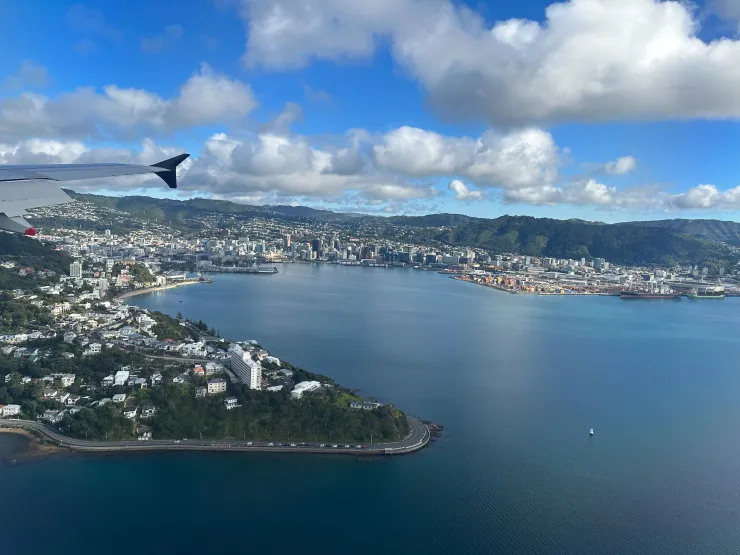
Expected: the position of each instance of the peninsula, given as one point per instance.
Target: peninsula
(89, 372)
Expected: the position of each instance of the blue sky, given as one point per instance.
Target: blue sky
(592, 109)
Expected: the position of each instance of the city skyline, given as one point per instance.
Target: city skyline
(536, 109)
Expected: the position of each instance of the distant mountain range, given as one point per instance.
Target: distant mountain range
(635, 243)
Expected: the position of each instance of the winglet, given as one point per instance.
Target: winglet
(170, 176)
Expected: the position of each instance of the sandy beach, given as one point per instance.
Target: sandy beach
(145, 290)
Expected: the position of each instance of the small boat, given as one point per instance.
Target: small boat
(591, 432)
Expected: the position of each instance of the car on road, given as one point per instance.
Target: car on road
(358, 446)
(335, 446)
(322, 445)
(270, 444)
(177, 441)
(249, 443)
(346, 446)
(292, 444)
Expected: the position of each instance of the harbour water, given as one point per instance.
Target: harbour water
(516, 380)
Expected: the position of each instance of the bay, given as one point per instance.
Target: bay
(516, 380)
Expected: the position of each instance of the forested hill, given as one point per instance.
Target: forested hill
(25, 251)
(624, 243)
(715, 230)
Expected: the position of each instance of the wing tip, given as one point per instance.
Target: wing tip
(170, 165)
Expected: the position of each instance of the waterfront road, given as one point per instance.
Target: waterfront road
(417, 439)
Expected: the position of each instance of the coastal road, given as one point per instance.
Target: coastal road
(417, 439)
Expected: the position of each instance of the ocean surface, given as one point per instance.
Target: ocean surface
(516, 380)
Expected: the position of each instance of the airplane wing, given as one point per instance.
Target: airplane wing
(26, 187)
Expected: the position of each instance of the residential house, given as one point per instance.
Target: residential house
(92, 349)
(121, 377)
(200, 392)
(156, 378)
(62, 397)
(198, 370)
(148, 411)
(108, 381)
(182, 378)
(216, 386)
(130, 412)
(119, 397)
(70, 337)
(365, 405)
(230, 403)
(9, 410)
(304, 387)
(67, 380)
(213, 368)
(52, 416)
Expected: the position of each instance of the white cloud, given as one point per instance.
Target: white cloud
(707, 197)
(160, 42)
(590, 60)
(399, 192)
(205, 98)
(463, 192)
(30, 76)
(521, 158)
(589, 192)
(622, 165)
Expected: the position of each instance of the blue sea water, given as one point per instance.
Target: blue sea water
(516, 380)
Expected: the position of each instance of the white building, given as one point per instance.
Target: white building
(9, 410)
(75, 270)
(230, 403)
(304, 387)
(119, 397)
(121, 377)
(248, 371)
(216, 385)
(67, 380)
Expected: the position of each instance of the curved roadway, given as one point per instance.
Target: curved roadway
(418, 438)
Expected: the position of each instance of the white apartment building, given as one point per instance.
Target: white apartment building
(75, 270)
(248, 371)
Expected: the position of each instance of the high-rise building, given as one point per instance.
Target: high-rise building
(248, 371)
(598, 263)
(107, 232)
(286, 241)
(75, 270)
